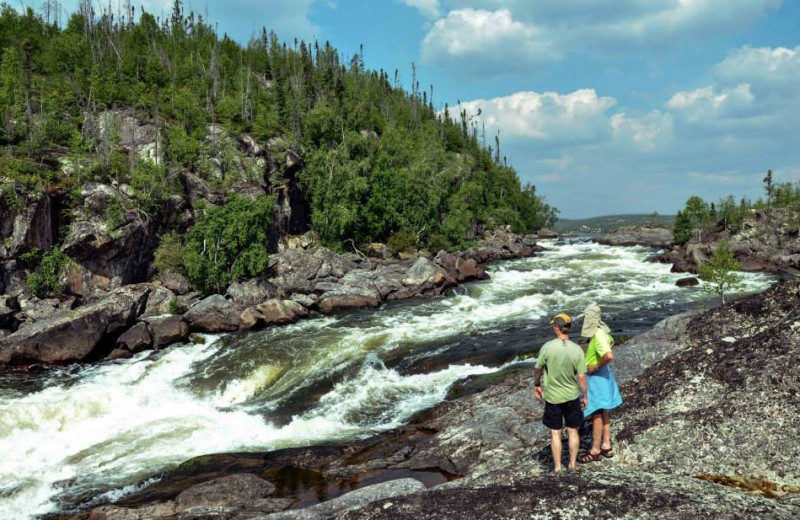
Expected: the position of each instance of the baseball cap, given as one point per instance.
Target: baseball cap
(561, 319)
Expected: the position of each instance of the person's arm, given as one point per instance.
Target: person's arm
(537, 383)
(584, 391)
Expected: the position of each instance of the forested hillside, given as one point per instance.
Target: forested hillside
(121, 120)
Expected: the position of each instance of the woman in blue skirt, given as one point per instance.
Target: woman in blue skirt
(602, 387)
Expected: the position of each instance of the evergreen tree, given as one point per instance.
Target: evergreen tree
(682, 229)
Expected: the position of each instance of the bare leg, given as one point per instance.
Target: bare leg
(574, 445)
(597, 432)
(606, 445)
(555, 445)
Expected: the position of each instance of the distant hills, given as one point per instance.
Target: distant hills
(608, 223)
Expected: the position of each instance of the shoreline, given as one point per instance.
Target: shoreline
(482, 437)
(300, 284)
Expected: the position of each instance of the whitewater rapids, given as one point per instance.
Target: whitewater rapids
(79, 432)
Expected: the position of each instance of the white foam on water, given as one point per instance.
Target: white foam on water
(116, 423)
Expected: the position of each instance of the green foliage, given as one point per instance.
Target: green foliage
(377, 159)
(229, 243)
(682, 230)
(47, 277)
(152, 184)
(170, 254)
(721, 271)
(402, 242)
(175, 307)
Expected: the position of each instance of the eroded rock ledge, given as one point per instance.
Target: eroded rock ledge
(711, 393)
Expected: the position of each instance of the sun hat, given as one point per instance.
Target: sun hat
(592, 321)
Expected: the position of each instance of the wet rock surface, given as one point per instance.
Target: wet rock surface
(638, 236)
(708, 396)
(73, 335)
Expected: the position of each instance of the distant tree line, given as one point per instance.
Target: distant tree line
(699, 218)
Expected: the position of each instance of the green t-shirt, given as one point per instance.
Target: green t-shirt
(599, 346)
(562, 361)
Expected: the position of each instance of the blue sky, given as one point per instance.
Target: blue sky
(615, 106)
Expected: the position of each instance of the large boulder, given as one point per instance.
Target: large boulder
(175, 282)
(422, 272)
(546, 233)
(335, 302)
(214, 314)
(281, 312)
(75, 335)
(136, 338)
(166, 330)
(250, 293)
(639, 236)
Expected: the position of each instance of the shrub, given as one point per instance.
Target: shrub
(438, 243)
(229, 242)
(47, 277)
(720, 272)
(170, 254)
(402, 242)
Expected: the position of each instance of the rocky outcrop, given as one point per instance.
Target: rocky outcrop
(214, 314)
(638, 236)
(694, 389)
(299, 284)
(76, 335)
(768, 241)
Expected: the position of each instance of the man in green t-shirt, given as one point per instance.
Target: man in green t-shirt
(564, 367)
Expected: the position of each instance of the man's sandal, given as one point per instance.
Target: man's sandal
(607, 453)
(588, 456)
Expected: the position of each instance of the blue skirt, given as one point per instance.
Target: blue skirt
(603, 391)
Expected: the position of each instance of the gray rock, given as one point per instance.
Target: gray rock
(175, 282)
(214, 314)
(163, 511)
(335, 302)
(281, 312)
(136, 338)
(423, 271)
(546, 233)
(73, 335)
(306, 300)
(35, 309)
(235, 491)
(639, 236)
(251, 293)
(166, 330)
(159, 302)
(359, 498)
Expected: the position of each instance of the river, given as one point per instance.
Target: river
(103, 430)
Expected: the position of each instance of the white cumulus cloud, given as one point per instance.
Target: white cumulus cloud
(427, 8)
(549, 30)
(549, 116)
(476, 39)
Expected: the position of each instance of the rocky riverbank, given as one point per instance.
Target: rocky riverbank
(767, 241)
(707, 428)
(299, 283)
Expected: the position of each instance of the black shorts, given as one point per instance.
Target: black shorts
(555, 415)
